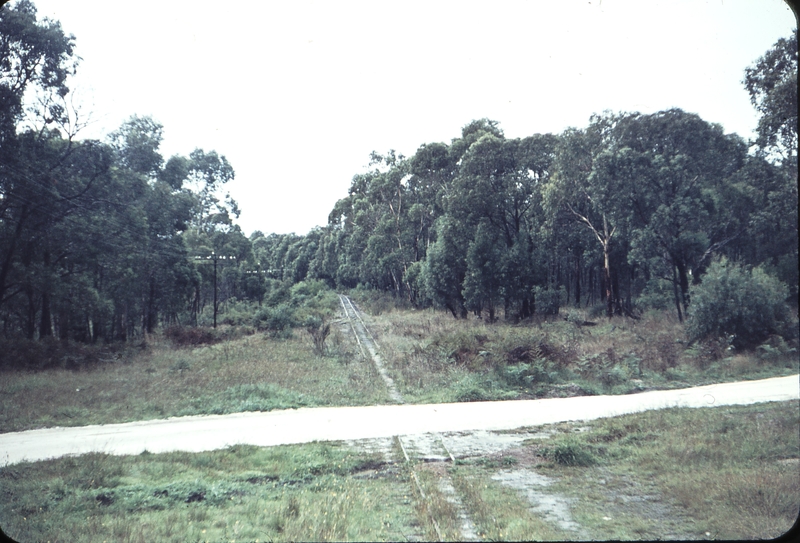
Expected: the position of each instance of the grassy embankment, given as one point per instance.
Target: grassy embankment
(431, 357)
(435, 358)
(249, 373)
(729, 473)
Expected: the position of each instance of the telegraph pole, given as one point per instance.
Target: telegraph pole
(214, 257)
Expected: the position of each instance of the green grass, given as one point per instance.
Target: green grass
(435, 358)
(731, 472)
(316, 492)
(501, 513)
(432, 358)
(251, 373)
(722, 473)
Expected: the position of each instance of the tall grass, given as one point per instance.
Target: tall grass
(252, 372)
(297, 493)
(435, 358)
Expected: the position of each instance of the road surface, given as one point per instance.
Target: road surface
(203, 433)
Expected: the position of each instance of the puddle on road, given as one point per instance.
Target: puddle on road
(552, 507)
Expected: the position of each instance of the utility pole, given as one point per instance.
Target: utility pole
(214, 257)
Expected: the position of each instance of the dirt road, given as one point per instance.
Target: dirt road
(202, 433)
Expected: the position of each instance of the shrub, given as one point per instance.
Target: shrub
(747, 305)
(657, 294)
(192, 335)
(277, 320)
(377, 302)
(549, 300)
(318, 329)
(570, 453)
(615, 375)
(236, 312)
(539, 371)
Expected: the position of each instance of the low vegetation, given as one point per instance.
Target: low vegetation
(159, 380)
(726, 473)
(316, 492)
(719, 473)
(434, 358)
(313, 361)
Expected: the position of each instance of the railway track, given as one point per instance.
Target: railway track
(367, 344)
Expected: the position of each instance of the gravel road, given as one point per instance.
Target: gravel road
(202, 433)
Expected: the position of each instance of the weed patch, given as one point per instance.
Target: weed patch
(434, 358)
(571, 453)
(282, 493)
(724, 468)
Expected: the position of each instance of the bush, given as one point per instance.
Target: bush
(277, 320)
(657, 294)
(377, 302)
(318, 328)
(539, 371)
(236, 312)
(745, 305)
(549, 300)
(50, 352)
(182, 336)
(570, 453)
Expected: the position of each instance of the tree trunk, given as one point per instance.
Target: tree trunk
(151, 310)
(609, 293)
(675, 292)
(63, 324)
(683, 278)
(30, 324)
(46, 322)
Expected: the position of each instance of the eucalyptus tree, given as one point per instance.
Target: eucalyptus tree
(772, 85)
(445, 267)
(483, 280)
(36, 58)
(674, 169)
(590, 196)
(325, 262)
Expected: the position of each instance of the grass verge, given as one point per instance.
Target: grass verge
(721, 473)
(434, 358)
(316, 492)
(250, 373)
(712, 473)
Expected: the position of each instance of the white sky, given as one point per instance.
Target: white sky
(297, 93)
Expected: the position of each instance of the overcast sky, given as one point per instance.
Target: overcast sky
(296, 94)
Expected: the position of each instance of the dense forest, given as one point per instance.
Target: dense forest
(108, 240)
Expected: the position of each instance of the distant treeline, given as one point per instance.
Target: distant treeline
(107, 240)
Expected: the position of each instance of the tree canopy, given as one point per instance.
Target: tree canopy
(107, 240)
